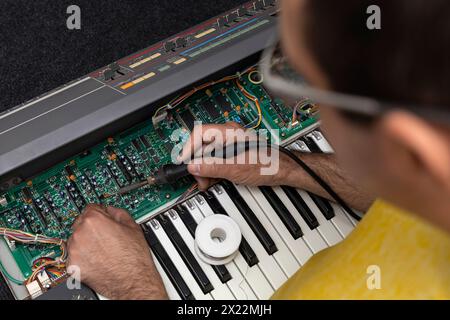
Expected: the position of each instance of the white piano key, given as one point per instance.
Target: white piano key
(353, 220)
(178, 262)
(283, 256)
(299, 146)
(170, 289)
(192, 206)
(221, 290)
(267, 263)
(320, 141)
(247, 283)
(298, 246)
(311, 237)
(238, 285)
(326, 229)
(343, 222)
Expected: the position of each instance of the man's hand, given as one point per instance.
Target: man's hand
(207, 171)
(289, 173)
(113, 256)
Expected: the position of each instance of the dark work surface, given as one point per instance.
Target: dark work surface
(38, 53)
(5, 293)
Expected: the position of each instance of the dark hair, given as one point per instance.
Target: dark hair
(406, 61)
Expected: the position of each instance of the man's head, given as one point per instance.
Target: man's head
(398, 156)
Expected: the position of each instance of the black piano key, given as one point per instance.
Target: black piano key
(167, 264)
(282, 212)
(261, 233)
(301, 207)
(191, 225)
(244, 248)
(313, 147)
(187, 256)
(188, 220)
(324, 206)
(214, 203)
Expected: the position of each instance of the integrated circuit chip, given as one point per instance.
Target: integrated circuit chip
(187, 119)
(136, 145)
(210, 108)
(223, 103)
(145, 141)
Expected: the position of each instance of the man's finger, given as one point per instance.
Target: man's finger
(203, 183)
(213, 168)
(77, 222)
(206, 133)
(120, 215)
(91, 208)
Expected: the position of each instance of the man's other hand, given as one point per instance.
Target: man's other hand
(112, 255)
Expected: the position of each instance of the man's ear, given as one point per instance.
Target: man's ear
(419, 146)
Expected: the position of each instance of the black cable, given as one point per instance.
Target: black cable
(321, 182)
(256, 144)
(170, 173)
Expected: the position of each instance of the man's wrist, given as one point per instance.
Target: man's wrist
(290, 173)
(147, 289)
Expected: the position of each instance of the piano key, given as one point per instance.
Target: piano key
(323, 205)
(326, 229)
(186, 255)
(175, 257)
(302, 146)
(167, 264)
(283, 256)
(311, 237)
(267, 263)
(282, 212)
(187, 218)
(301, 207)
(240, 286)
(353, 220)
(297, 246)
(170, 289)
(342, 221)
(191, 225)
(249, 216)
(317, 137)
(244, 248)
(221, 291)
(311, 145)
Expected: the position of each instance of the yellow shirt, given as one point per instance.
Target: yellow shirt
(391, 254)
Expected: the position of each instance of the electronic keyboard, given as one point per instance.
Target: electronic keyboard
(282, 227)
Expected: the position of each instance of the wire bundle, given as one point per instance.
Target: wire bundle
(178, 100)
(55, 267)
(255, 101)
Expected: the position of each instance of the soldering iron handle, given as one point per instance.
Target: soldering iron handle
(171, 173)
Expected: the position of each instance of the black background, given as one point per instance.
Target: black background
(39, 53)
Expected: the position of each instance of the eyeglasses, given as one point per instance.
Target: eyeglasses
(281, 78)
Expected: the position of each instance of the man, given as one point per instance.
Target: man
(397, 156)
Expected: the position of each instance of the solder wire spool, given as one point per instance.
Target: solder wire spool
(255, 77)
(217, 239)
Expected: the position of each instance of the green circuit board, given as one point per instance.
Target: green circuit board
(49, 202)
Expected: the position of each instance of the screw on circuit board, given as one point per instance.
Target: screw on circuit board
(167, 195)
